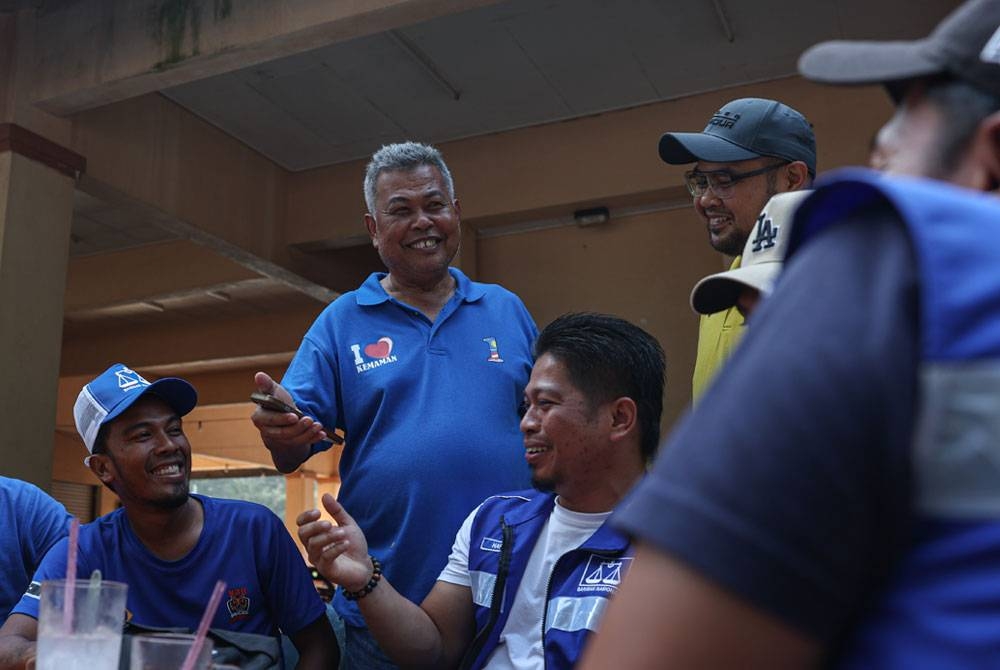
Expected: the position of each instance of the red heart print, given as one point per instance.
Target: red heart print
(380, 349)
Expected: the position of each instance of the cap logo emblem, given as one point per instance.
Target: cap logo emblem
(766, 233)
(129, 379)
(991, 51)
(724, 119)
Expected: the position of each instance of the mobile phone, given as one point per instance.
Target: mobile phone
(268, 401)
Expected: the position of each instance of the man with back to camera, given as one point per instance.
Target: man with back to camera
(32, 522)
(171, 546)
(751, 149)
(531, 572)
(865, 526)
(424, 370)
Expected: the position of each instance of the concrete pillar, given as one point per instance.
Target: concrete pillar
(36, 208)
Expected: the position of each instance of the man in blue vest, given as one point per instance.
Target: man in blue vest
(530, 572)
(855, 521)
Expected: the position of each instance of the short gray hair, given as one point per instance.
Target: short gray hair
(404, 156)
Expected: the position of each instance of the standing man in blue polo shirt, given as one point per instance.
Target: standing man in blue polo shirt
(423, 370)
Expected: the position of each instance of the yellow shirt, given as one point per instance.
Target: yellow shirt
(717, 337)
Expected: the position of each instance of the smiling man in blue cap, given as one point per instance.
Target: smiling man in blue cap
(169, 545)
(750, 150)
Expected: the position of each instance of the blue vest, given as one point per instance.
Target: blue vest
(502, 537)
(941, 606)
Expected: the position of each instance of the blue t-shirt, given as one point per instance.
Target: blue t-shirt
(429, 412)
(790, 483)
(244, 544)
(30, 523)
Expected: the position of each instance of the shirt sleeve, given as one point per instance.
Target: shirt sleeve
(789, 482)
(53, 566)
(457, 569)
(49, 525)
(314, 382)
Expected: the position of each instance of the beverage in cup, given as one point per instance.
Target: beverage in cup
(80, 626)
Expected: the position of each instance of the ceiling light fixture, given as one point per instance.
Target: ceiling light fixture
(593, 216)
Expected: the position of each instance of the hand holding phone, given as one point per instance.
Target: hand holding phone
(270, 402)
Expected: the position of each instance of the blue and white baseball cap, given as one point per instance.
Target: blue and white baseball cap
(114, 390)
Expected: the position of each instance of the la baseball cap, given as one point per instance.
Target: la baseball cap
(743, 129)
(965, 45)
(115, 390)
(763, 257)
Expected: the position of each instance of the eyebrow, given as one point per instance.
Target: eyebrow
(146, 423)
(435, 193)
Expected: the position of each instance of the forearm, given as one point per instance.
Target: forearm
(317, 646)
(404, 631)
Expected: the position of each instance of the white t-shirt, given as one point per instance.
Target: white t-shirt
(520, 643)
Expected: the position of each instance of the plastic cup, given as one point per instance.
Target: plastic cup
(167, 651)
(93, 640)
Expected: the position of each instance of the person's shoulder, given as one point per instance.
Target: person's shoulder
(19, 489)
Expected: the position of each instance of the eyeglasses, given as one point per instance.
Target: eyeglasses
(721, 181)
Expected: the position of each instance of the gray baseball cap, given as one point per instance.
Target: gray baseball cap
(744, 129)
(965, 45)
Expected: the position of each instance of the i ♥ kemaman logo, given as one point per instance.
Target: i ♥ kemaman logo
(377, 353)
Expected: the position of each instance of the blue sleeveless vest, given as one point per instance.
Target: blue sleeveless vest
(503, 534)
(941, 607)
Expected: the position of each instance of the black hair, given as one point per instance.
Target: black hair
(101, 439)
(963, 107)
(607, 358)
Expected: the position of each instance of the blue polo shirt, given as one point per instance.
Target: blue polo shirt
(429, 412)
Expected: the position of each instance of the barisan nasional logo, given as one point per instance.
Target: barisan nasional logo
(375, 355)
(129, 379)
(603, 574)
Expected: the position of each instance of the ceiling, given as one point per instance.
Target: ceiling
(521, 63)
(508, 65)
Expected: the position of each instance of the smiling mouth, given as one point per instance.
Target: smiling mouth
(425, 244)
(535, 450)
(167, 470)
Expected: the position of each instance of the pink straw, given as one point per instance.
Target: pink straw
(206, 621)
(70, 592)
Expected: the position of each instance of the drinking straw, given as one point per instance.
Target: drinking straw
(206, 621)
(70, 587)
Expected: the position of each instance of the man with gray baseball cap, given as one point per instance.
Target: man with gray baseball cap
(750, 150)
(855, 521)
(946, 87)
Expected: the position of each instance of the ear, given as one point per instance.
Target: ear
(624, 418)
(986, 153)
(370, 226)
(458, 207)
(102, 467)
(796, 176)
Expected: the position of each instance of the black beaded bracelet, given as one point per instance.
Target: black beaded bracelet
(372, 583)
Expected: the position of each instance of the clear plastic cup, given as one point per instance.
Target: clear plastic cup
(90, 638)
(167, 651)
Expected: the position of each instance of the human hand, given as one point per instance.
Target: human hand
(340, 552)
(283, 430)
